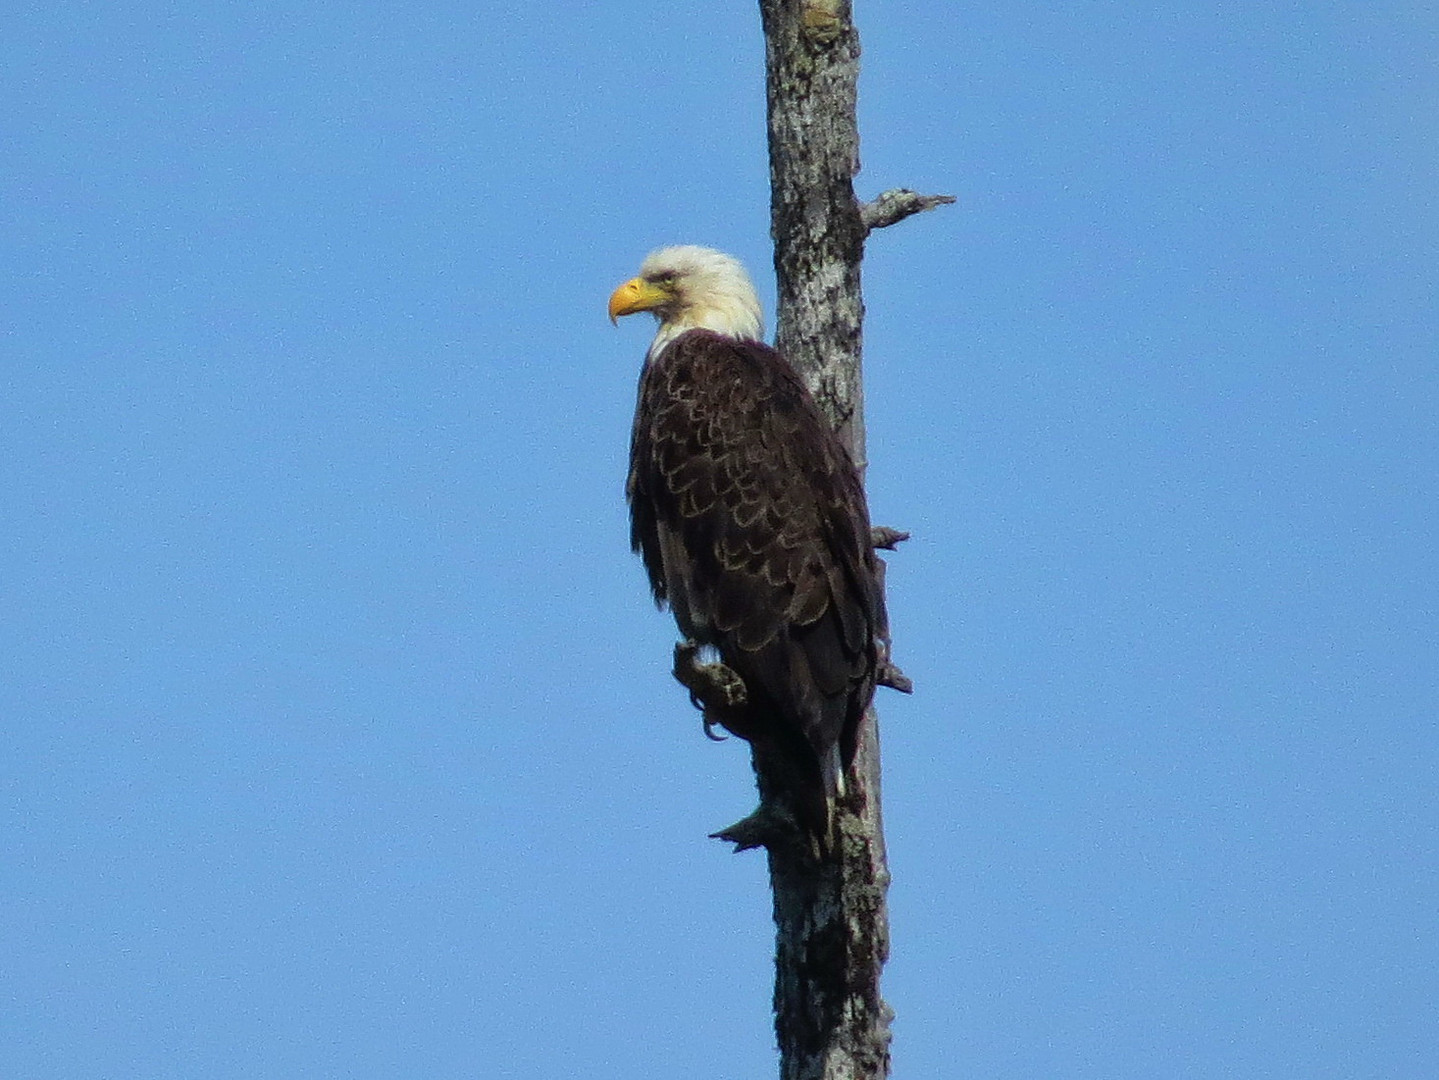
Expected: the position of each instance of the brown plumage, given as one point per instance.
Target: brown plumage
(751, 521)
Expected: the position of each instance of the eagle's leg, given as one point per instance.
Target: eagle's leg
(714, 688)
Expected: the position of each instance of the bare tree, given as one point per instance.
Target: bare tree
(832, 925)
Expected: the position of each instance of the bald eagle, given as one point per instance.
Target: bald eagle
(751, 520)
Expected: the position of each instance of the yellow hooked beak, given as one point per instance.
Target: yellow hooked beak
(637, 294)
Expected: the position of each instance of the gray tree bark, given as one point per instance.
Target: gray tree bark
(832, 924)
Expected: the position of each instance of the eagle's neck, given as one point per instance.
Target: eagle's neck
(733, 316)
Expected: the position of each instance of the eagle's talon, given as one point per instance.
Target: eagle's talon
(711, 686)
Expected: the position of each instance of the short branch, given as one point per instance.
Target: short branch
(767, 827)
(889, 675)
(897, 204)
(886, 538)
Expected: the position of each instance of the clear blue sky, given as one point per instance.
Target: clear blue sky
(336, 734)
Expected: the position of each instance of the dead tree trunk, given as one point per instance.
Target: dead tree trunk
(832, 926)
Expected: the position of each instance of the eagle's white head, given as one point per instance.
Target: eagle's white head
(692, 288)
